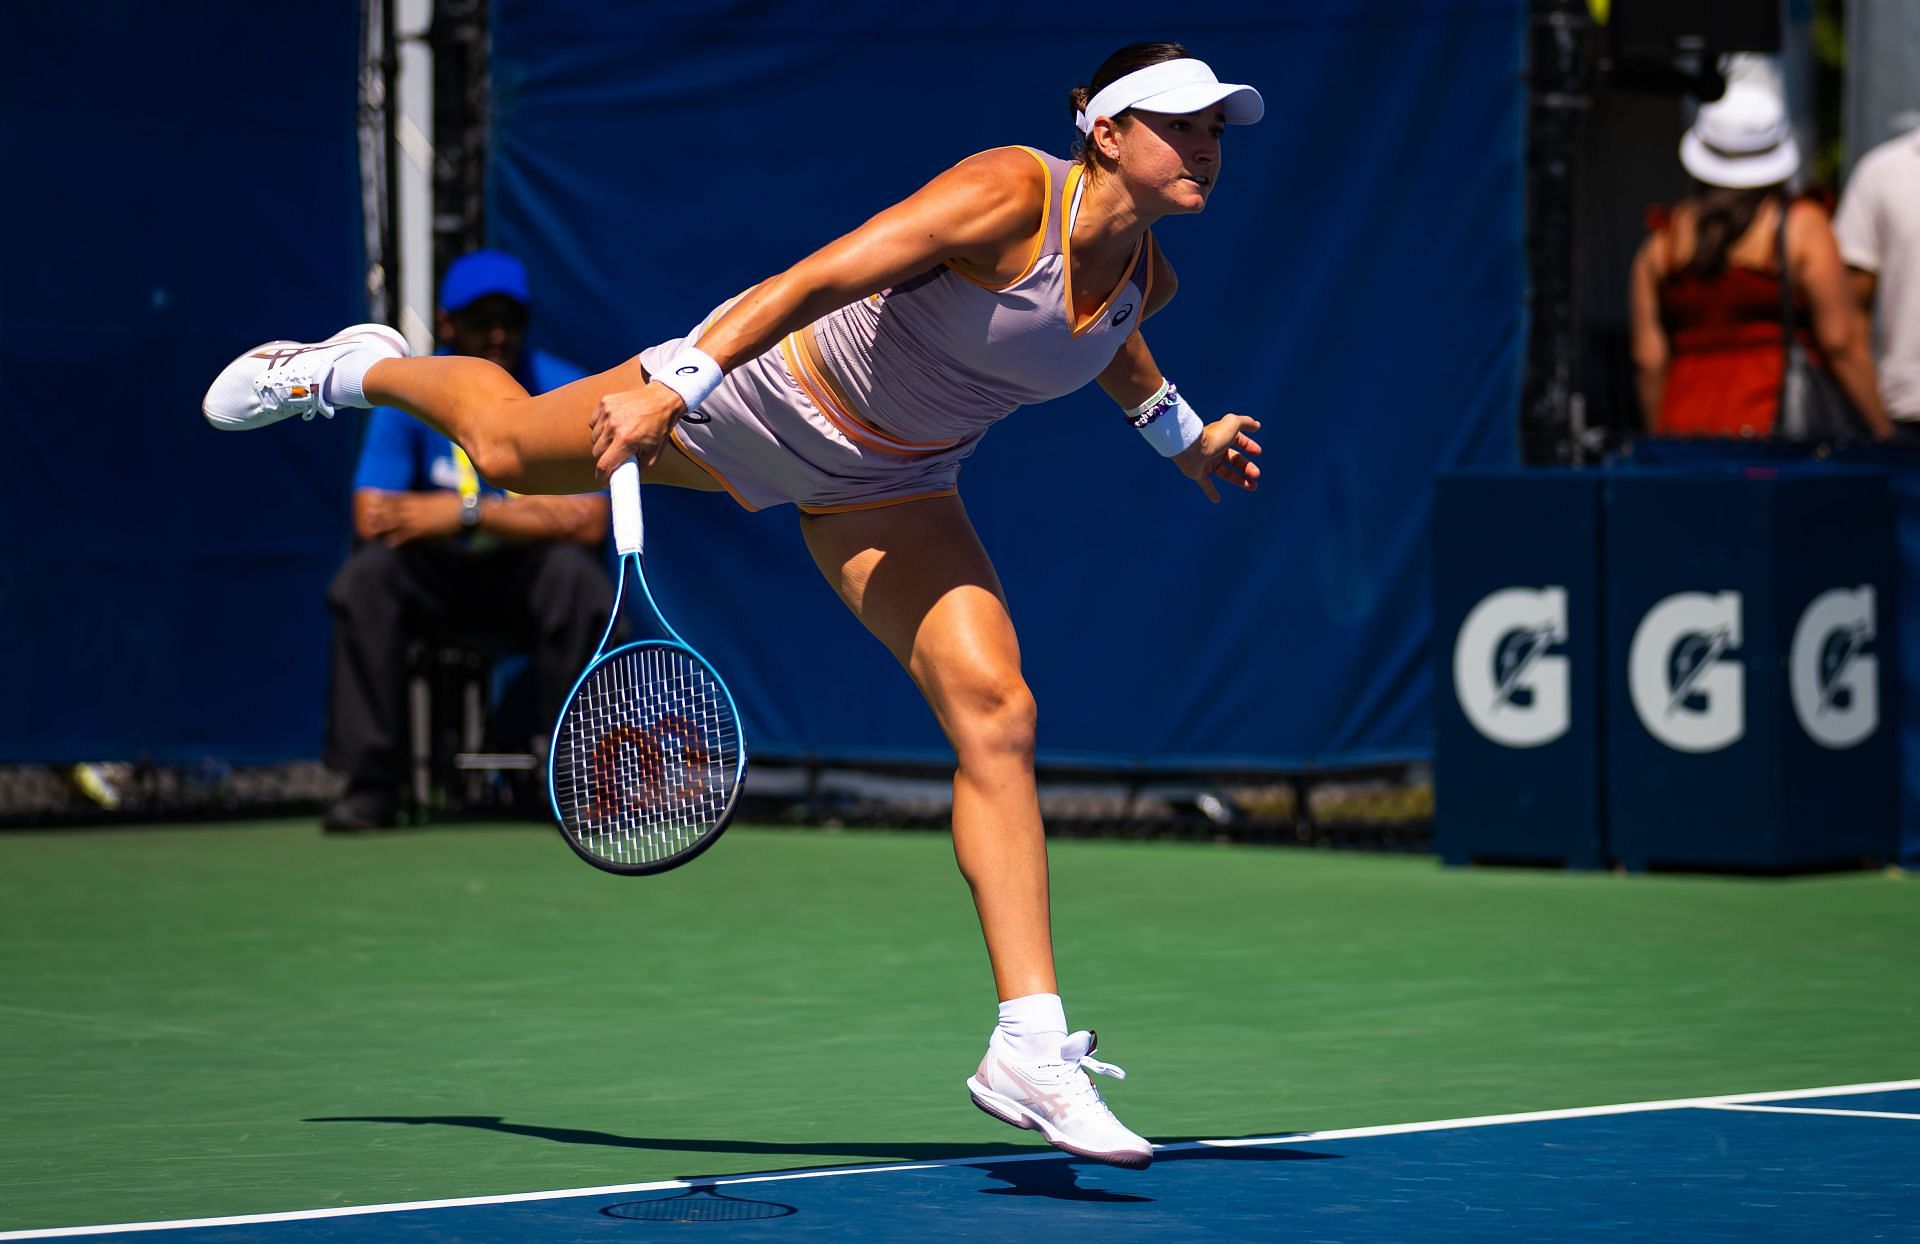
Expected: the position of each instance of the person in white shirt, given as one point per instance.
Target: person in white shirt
(1878, 227)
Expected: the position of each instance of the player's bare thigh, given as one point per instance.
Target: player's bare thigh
(918, 577)
(674, 469)
(553, 445)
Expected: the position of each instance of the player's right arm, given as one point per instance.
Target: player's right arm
(981, 215)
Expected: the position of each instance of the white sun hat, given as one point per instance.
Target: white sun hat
(1173, 86)
(1741, 140)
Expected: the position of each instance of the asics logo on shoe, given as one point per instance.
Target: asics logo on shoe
(278, 358)
(1058, 1106)
(286, 354)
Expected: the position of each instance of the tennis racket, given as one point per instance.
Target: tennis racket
(647, 757)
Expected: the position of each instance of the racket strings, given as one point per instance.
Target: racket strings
(647, 756)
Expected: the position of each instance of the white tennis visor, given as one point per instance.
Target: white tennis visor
(1174, 86)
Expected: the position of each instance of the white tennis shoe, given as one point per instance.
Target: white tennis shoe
(281, 379)
(1056, 1098)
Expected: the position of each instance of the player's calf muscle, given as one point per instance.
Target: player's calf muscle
(476, 403)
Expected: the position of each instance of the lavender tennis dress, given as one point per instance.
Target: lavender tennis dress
(879, 402)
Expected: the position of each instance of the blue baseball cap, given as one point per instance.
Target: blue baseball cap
(477, 274)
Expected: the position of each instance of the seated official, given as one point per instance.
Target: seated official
(441, 555)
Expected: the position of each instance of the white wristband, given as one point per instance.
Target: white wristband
(692, 374)
(1166, 420)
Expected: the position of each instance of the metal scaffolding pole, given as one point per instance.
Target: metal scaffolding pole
(379, 154)
(1552, 414)
(462, 120)
(1883, 73)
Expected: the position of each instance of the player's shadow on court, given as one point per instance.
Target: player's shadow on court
(1060, 1181)
(1054, 1179)
(849, 1151)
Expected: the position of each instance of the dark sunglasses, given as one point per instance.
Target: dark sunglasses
(486, 320)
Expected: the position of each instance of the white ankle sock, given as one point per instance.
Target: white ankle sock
(1034, 1025)
(349, 373)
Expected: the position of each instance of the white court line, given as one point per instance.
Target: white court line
(1845, 1114)
(1577, 1112)
(1721, 1101)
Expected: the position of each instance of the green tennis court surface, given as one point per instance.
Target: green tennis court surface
(231, 1020)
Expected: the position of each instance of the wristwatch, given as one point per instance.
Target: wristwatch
(469, 511)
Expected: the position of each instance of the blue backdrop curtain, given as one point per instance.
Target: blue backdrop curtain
(182, 183)
(1356, 283)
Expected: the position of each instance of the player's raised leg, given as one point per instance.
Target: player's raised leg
(919, 579)
(528, 443)
(532, 444)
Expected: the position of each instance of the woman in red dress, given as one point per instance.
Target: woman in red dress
(1706, 296)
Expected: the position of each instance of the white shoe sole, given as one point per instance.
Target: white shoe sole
(1012, 1112)
(237, 378)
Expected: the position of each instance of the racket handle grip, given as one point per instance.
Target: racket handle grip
(628, 534)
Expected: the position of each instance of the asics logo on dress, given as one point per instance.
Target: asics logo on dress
(1120, 316)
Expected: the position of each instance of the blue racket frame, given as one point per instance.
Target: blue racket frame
(624, 488)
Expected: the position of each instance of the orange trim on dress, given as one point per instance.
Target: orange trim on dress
(819, 399)
(1040, 234)
(697, 460)
(1076, 328)
(807, 341)
(1146, 284)
(799, 352)
(879, 505)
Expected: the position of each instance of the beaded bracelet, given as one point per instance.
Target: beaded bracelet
(1168, 436)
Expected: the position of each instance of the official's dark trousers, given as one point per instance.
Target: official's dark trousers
(548, 600)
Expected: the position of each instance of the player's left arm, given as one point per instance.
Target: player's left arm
(1133, 380)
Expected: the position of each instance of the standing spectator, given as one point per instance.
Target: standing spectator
(1879, 231)
(1706, 285)
(442, 554)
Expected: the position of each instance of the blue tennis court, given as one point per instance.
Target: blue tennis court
(1838, 1163)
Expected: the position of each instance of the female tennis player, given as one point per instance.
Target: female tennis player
(851, 386)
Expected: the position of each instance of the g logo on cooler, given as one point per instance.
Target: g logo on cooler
(1687, 689)
(1834, 680)
(1508, 686)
